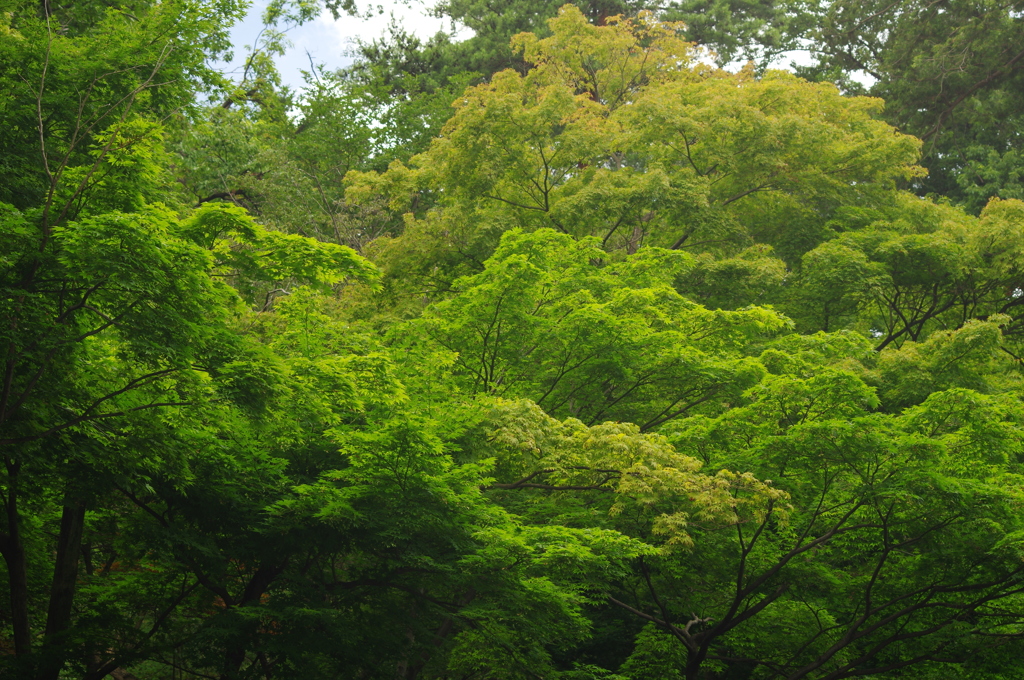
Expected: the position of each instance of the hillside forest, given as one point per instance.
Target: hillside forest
(591, 347)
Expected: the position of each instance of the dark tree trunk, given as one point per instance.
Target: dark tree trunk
(62, 592)
(234, 654)
(694, 661)
(17, 570)
(443, 633)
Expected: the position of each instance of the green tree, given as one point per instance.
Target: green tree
(950, 74)
(615, 133)
(567, 437)
(119, 315)
(546, 321)
(78, 77)
(883, 542)
(913, 271)
(115, 309)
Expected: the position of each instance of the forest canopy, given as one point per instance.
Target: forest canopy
(593, 347)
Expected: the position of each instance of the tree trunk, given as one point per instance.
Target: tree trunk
(446, 629)
(234, 654)
(62, 592)
(17, 570)
(694, 661)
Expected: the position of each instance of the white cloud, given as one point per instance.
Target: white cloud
(415, 19)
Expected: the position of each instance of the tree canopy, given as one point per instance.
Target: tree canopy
(571, 351)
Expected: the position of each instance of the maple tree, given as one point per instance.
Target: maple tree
(641, 368)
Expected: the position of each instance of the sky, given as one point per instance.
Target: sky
(327, 41)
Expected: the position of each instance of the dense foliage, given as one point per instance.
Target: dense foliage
(624, 366)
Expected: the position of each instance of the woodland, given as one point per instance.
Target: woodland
(591, 347)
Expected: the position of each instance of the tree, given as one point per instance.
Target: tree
(950, 74)
(914, 271)
(730, 30)
(547, 321)
(579, 144)
(882, 542)
(113, 310)
(113, 66)
(566, 434)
